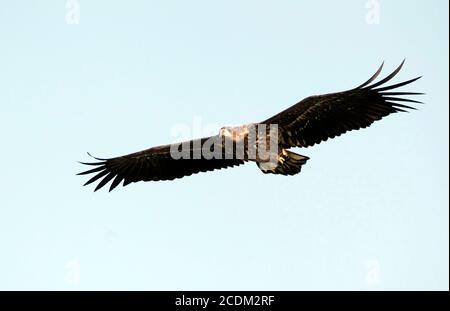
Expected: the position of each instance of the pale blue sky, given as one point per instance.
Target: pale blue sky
(369, 210)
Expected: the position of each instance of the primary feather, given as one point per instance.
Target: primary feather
(318, 118)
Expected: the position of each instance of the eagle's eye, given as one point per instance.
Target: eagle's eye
(224, 132)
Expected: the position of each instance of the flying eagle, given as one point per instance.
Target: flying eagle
(313, 120)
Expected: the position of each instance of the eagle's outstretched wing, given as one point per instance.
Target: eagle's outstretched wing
(155, 164)
(318, 118)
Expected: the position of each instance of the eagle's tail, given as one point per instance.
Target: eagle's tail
(289, 163)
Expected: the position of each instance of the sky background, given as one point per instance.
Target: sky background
(370, 210)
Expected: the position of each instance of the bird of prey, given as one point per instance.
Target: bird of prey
(313, 120)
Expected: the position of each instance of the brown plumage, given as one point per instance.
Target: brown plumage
(309, 122)
(318, 118)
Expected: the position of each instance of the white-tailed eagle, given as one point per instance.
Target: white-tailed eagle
(311, 121)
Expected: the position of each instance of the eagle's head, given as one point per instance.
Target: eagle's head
(234, 133)
(226, 132)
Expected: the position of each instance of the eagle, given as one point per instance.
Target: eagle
(311, 121)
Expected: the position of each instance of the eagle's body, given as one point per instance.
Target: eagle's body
(255, 140)
(309, 122)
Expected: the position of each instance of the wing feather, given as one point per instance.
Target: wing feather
(317, 118)
(153, 164)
